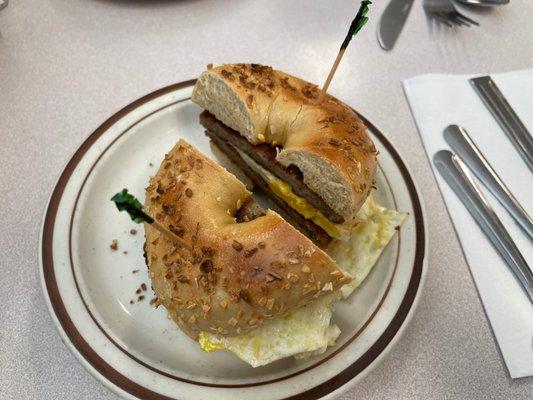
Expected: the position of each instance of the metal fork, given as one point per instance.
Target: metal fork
(445, 12)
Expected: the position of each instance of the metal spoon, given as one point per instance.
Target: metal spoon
(484, 3)
(462, 144)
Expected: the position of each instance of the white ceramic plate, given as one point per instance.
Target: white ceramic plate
(133, 348)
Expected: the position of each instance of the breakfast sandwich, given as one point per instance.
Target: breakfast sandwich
(261, 282)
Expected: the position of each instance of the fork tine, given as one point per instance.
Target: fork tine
(447, 18)
(443, 18)
(457, 20)
(464, 17)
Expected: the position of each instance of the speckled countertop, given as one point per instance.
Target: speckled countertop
(66, 65)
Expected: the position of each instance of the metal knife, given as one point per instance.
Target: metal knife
(502, 111)
(461, 142)
(457, 176)
(392, 21)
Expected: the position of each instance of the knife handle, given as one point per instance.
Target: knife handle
(504, 114)
(458, 178)
(460, 142)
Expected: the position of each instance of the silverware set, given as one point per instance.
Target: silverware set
(444, 11)
(454, 168)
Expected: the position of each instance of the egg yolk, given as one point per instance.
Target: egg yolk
(208, 345)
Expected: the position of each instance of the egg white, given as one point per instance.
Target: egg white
(303, 330)
(308, 330)
(359, 254)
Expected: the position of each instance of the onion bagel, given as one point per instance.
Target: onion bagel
(325, 139)
(238, 274)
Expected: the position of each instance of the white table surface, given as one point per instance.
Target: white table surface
(67, 65)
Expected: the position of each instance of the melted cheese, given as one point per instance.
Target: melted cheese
(302, 206)
(284, 191)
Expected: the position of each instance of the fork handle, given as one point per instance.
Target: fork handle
(460, 142)
(455, 174)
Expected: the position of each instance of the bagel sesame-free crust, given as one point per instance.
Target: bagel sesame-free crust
(325, 139)
(237, 275)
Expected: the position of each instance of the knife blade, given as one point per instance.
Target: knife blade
(392, 21)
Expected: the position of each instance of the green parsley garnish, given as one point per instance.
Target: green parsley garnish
(358, 22)
(129, 203)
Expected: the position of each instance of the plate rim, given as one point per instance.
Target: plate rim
(119, 383)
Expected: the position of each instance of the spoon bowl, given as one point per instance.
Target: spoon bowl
(484, 3)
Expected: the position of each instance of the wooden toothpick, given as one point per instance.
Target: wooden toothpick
(358, 22)
(129, 203)
(169, 234)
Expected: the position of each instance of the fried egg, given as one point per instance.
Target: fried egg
(308, 330)
(360, 253)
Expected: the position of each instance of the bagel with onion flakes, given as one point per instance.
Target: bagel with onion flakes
(314, 153)
(238, 274)
(249, 280)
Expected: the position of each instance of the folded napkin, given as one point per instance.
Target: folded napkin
(437, 101)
